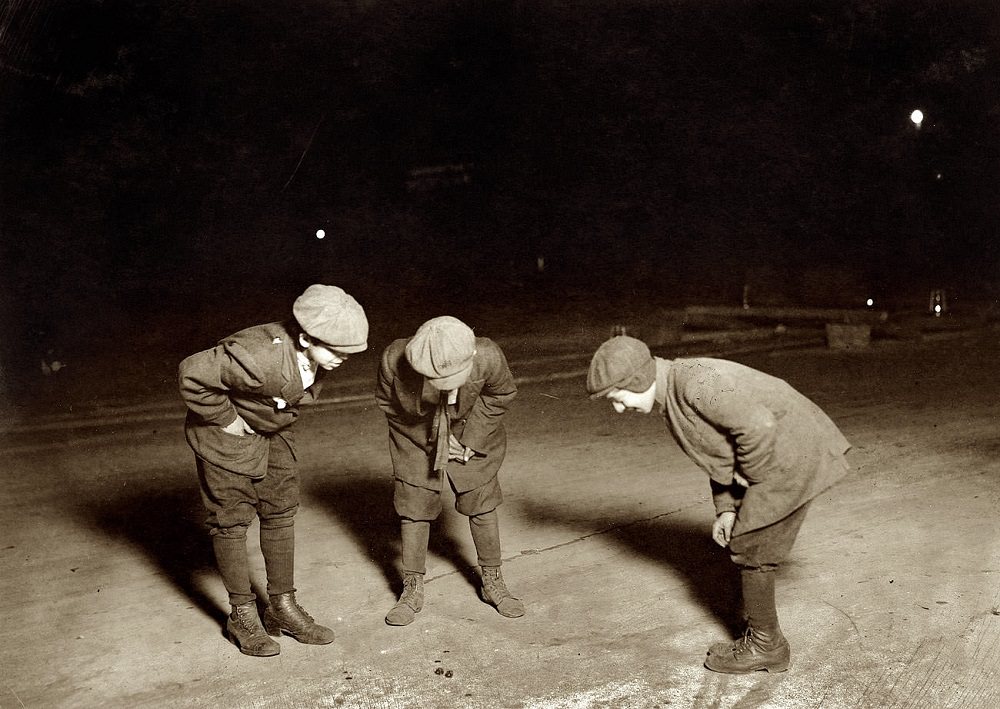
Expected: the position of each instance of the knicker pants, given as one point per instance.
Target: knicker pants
(418, 507)
(233, 501)
(759, 553)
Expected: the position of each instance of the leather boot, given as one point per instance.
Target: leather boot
(756, 650)
(244, 629)
(494, 591)
(762, 646)
(759, 609)
(285, 615)
(411, 600)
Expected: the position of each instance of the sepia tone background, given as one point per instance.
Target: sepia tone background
(167, 165)
(551, 173)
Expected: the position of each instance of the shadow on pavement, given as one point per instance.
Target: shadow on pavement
(168, 526)
(363, 504)
(685, 546)
(712, 578)
(446, 531)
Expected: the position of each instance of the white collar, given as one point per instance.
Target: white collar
(306, 370)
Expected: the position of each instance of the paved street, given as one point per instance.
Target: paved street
(892, 598)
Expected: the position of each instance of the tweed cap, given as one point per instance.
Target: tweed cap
(621, 363)
(330, 315)
(442, 350)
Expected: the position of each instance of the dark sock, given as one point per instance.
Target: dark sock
(277, 544)
(758, 600)
(231, 558)
(415, 536)
(486, 536)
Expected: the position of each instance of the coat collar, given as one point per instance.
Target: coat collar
(291, 384)
(662, 374)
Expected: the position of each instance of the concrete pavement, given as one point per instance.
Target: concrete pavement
(109, 597)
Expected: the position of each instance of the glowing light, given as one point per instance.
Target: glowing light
(917, 117)
(320, 233)
(937, 309)
(870, 302)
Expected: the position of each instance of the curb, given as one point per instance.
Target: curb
(570, 365)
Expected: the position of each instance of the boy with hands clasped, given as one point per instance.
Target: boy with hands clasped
(444, 393)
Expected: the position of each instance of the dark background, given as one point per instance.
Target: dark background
(166, 164)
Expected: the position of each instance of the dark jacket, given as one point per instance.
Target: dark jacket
(730, 418)
(245, 374)
(410, 404)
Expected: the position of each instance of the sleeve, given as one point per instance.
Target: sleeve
(726, 498)
(750, 425)
(498, 392)
(206, 378)
(383, 386)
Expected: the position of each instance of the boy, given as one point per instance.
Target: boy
(444, 393)
(242, 397)
(768, 450)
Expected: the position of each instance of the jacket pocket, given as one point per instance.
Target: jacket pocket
(243, 455)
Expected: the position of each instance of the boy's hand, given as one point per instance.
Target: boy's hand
(456, 451)
(722, 528)
(239, 427)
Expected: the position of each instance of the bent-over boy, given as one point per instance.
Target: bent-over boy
(243, 396)
(444, 393)
(768, 451)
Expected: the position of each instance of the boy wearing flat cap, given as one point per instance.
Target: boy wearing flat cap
(243, 396)
(444, 393)
(768, 451)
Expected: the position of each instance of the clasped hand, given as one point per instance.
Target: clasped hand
(456, 451)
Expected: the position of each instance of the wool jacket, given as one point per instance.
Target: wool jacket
(729, 418)
(253, 373)
(476, 420)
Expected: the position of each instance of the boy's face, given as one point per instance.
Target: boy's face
(623, 400)
(324, 355)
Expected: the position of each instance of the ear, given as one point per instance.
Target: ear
(304, 340)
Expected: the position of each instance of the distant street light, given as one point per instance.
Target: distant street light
(917, 117)
(938, 302)
(320, 233)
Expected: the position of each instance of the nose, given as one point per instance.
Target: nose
(337, 359)
(618, 406)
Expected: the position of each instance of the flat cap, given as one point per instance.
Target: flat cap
(442, 350)
(621, 363)
(332, 316)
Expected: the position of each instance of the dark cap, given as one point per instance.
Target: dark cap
(442, 350)
(621, 363)
(330, 315)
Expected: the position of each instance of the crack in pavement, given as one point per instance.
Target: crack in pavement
(582, 537)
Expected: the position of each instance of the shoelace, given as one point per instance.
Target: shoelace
(244, 617)
(496, 586)
(300, 609)
(409, 591)
(744, 644)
